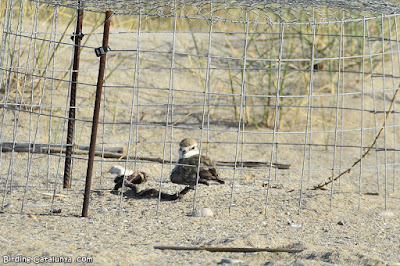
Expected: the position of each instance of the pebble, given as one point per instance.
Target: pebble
(203, 212)
(32, 216)
(292, 224)
(8, 206)
(230, 261)
(387, 214)
(295, 225)
(57, 211)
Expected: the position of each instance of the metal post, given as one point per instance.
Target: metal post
(71, 118)
(96, 113)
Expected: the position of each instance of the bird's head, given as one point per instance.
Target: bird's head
(187, 148)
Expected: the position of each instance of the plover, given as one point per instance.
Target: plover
(185, 172)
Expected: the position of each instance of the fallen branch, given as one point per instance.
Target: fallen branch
(331, 179)
(246, 164)
(251, 164)
(53, 148)
(229, 249)
(114, 152)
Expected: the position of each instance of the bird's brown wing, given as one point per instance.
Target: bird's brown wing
(186, 171)
(208, 165)
(207, 169)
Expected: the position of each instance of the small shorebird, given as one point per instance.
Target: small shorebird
(185, 171)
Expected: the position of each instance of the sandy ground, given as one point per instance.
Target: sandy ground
(329, 232)
(340, 236)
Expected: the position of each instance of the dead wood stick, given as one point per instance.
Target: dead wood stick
(53, 148)
(114, 152)
(253, 164)
(55, 195)
(331, 179)
(247, 164)
(229, 249)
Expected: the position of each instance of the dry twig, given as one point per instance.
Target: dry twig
(230, 249)
(331, 179)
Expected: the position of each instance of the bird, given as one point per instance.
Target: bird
(129, 177)
(187, 167)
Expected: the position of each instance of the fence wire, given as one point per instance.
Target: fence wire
(308, 85)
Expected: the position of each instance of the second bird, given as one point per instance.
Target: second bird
(185, 171)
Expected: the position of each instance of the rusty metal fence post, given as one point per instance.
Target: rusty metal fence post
(100, 80)
(77, 38)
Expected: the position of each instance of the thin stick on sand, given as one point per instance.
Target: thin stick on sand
(229, 249)
(331, 179)
(54, 148)
(114, 152)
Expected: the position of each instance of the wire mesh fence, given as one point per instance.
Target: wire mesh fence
(287, 98)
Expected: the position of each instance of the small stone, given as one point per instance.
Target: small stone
(56, 211)
(32, 216)
(230, 261)
(387, 214)
(8, 206)
(203, 212)
(295, 225)
(292, 224)
(340, 223)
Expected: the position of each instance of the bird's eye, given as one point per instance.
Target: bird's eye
(192, 148)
